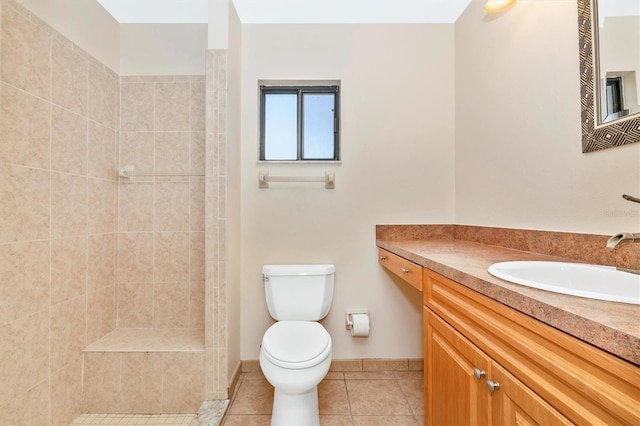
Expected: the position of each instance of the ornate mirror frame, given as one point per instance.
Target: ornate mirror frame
(594, 138)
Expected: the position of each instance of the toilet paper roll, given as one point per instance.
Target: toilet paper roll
(360, 325)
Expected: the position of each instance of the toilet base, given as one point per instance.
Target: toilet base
(299, 409)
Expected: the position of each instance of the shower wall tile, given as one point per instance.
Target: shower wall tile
(52, 95)
(135, 204)
(68, 268)
(68, 328)
(24, 204)
(101, 265)
(196, 304)
(171, 305)
(65, 399)
(197, 256)
(68, 205)
(101, 390)
(24, 266)
(137, 148)
(102, 151)
(141, 383)
(24, 128)
(173, 107)
(197, 151)
(135, 305)
(101, 313)
(171, 210)
(101, 206)
(69, 68)
(68, 141)
(135, 257)
(25, 54)
(197, 206)
(172, 151)
(102, 95)
(185, 373)
(137, 106)
(171, 257)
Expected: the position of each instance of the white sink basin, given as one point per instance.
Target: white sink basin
(576, 279)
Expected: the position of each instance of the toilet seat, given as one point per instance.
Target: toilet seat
(296, 344)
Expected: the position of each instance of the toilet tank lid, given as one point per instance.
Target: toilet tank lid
(279, 270)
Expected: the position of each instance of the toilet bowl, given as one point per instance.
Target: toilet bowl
(294, 357)
(295, 354)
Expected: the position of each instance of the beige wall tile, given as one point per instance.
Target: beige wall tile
(68, 268)
(68, 330)
(171, 211)
(172, 151)
(135, 207)
(24, 280)
(24, 353)
(69, 67)
(101, 389)
(171, 305)
(171, 257)
(197, 256)
(198, 107)
(196, 305)
(102, 151)
(198, 152)
(141, 383)
(24, 204)
(68, 141)
(197, 206)
(68, 205)
(66, 401)
(137, 149)
(101, 206)
(135, 305)
(183, 382)
(172, 108)
(101, 313)
(101, 261)
(28, 408)
(102, 96)
(137, 106)
(385, 364)
(24, 128)
(135, 257)
(25, 54)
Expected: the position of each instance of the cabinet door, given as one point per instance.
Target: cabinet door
(453, 394)
(512, 403)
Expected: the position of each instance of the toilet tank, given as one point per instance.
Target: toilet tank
(298, 292)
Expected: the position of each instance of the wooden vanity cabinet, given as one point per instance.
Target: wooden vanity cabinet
(544, 376)
(405, 269)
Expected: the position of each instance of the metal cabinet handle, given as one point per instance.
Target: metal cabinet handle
(479, 374)
(405, 271)
(383, 258)
(492, 386)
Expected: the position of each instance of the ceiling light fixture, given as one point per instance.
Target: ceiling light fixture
(493, 6)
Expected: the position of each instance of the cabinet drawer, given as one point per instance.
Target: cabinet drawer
(405, 269)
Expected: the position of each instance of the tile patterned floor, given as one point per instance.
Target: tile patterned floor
(389, 398)
(131, 420)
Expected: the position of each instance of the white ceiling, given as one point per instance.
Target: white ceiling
(290, 11)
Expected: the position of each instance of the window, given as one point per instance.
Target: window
(299, 123)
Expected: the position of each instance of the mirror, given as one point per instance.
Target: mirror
(609, 41)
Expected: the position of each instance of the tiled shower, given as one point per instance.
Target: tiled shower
(89, 259)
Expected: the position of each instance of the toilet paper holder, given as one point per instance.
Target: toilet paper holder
(348, 317)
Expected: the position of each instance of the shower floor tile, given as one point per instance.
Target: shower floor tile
(137, 419)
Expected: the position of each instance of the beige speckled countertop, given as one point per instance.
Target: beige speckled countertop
(611, 326)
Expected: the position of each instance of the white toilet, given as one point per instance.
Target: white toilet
(296, 351)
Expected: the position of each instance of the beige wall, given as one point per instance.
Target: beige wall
(162, 49)
(518, 142)
(85, 23)
(58, 121)
(397, 167)
(161, 267)
(233, 191)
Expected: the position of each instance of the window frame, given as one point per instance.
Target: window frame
(300, 90)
